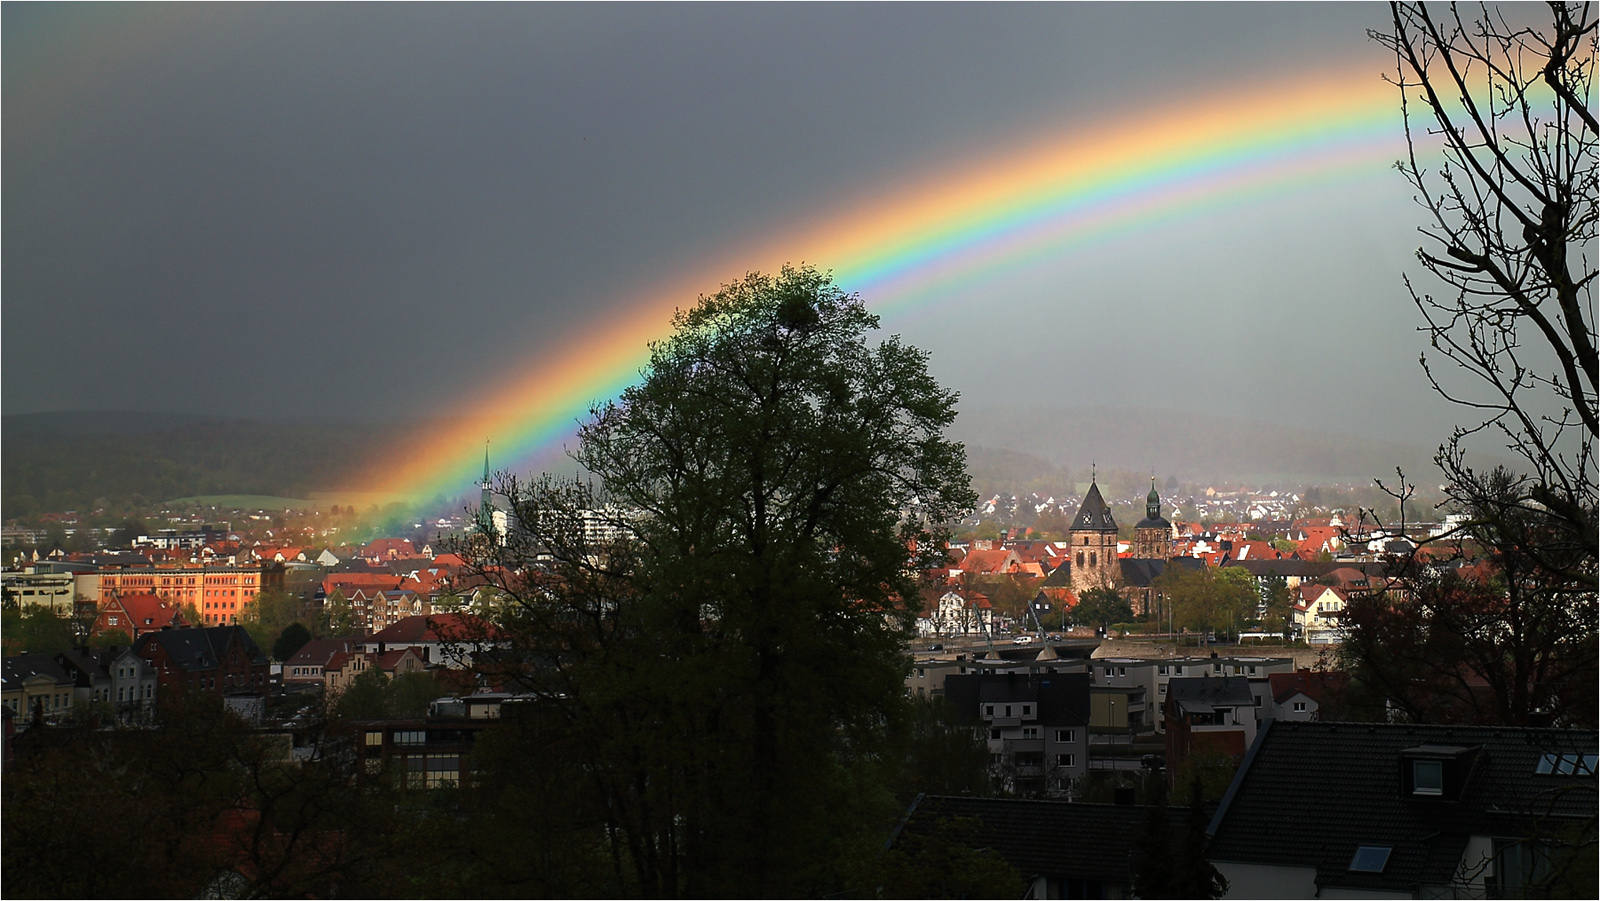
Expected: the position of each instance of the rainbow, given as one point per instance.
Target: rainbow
(905, 248)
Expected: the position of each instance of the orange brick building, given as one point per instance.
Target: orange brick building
(218, 592)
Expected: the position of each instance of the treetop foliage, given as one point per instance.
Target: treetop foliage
(719, 621)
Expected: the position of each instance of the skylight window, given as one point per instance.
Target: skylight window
(1566, 765)
(1370, 859)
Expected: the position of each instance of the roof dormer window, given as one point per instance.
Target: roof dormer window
(1427, 777)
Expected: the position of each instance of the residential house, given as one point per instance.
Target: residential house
(1405, 811)
(1036, 725)
(960, 612)
(1209, 715)
(221, 660)
(306, 666)
(343, 667)
(36, 683)
(1319, 613)
(137, 615)
(1299, 696)
(1153, 676)
(116, 677)
(448, 639)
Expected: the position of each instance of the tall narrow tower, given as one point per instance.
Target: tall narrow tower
(485, 497)
(1152, 537)
(1094, 543)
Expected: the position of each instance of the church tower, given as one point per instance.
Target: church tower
(1152, 537)
(486, 511)
(1093, 537)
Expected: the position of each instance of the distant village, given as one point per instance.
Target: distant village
(1070, 706)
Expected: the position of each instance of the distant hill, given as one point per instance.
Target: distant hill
(84, 460)
(1004, 443)
(80, 461)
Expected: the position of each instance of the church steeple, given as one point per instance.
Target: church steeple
(485, 497)
(1152, 504)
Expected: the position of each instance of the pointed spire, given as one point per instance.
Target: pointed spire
(1094, 515)
(486, 497)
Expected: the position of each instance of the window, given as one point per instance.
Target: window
(1566, 765)
(1252, 671)
(1030, 732)
(1027, 709)
(374, 739)
(1008, 710)
(1161, 670)
(1066, 760)
(1216, 667)
(1370, 858)
(1122, 671)
(111, 620)
(1066, 736)
(1108, 672)
(1299, 706)
(1427, 778)
(1258, 700)
(413, 737)
(1163, 689)
(988, 710)
(994, 734)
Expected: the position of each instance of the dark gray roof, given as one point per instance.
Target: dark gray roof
(1063, 698)
(1157, 523)
(193, 650)
(25, 666)
(1304, 569)
(1206, 693)
(1308, 794)
(1056, 839)
(1093, 514)
(1139, 573)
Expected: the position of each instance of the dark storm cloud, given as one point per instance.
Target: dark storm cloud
(312, 209)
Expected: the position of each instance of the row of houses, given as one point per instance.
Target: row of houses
(1326, 810)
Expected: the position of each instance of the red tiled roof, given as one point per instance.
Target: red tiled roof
(1314, 685)
(437, 627)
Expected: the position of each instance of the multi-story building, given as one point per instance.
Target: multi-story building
(1144, 682)
(57, 591)
(219, 593)
(116, 678)
(36, 683)
(1036, 726)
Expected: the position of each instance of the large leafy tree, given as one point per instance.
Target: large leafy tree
(722, 614)
(1101, 607)
(1209, 598)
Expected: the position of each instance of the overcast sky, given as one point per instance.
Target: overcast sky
(368, 209)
